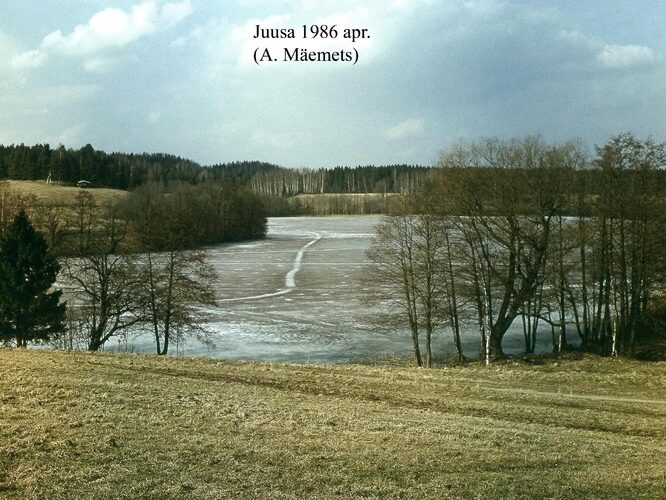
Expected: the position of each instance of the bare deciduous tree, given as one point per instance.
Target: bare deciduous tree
(177, 282)
(106, 280)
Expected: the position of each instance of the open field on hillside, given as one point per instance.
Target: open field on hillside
(357, 197)
(310, 204)
(78, 425)
(55, 194)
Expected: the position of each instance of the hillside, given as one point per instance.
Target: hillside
(79, 425)
(55, 194)
(130, 170)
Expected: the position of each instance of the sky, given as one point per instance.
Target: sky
(179, 76)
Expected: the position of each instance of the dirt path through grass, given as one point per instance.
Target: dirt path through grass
(576, 396)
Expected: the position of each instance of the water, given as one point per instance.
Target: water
(298, 296)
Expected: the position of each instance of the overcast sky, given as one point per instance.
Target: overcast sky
(178, 76)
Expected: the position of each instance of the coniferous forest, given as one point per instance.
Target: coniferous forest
(129, 170)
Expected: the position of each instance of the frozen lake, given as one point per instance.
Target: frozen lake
(298, 296)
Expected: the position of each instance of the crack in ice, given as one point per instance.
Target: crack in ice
(290, 279)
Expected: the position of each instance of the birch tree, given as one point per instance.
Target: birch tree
(504, 199)
(406, 253)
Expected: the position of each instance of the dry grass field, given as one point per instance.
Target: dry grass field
(79, 425)
(57, 195)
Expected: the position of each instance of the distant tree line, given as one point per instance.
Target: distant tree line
(339, 190)
(362, 179)
(522, 231)
(128, 171)
(114, 170)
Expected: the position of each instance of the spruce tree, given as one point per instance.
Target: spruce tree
(28, 310)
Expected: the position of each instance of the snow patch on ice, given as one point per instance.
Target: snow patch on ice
(348, 236)
(257, 297)
(290, 279)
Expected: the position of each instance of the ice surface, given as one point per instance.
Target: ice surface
(298, 296)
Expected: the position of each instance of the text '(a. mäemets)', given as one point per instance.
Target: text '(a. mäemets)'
(305, 54)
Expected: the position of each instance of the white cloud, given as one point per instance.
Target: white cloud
(114, 27)
(70, 136)
(28, 59)
(108, 29)
(623, 56)
(153, 117)
(402, 4)
(174, 12)
(573, 36)
(276, 140)
(100, 65)
(184, 40)
(406, 129)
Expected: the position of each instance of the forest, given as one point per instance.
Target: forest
(128, 171)
(522, 230)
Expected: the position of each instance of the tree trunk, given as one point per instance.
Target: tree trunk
(417, 348)
(494, 347)
(428, 348)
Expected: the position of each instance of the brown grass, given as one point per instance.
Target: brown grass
(343, 196)
(55, 194)
(78, 425)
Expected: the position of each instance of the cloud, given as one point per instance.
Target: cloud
(184, 40)
(153, 117)
(100, 65)
(174, 12)
(70, 136)
(406, 129)
(108, 29)
(624, 56)
(275, 140)
(112, 27)
(401, 4)
(10, 60)
(431, 73)
(28, 59)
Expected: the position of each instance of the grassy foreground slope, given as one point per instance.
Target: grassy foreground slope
(79, 425)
